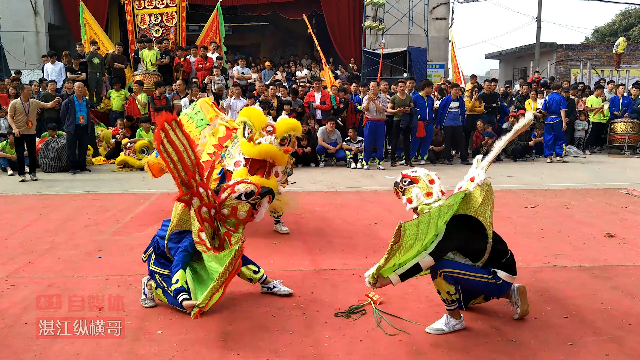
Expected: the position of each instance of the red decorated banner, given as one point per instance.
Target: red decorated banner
(213, 30)
(458, 76)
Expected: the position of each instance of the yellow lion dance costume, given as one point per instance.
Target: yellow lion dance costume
(251, 147)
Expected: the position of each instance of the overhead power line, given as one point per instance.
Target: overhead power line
(616, 2)
(498, 36)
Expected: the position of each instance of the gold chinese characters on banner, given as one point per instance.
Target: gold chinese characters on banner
(156, 19)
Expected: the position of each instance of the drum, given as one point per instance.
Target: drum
(148, 77)
(624, 133)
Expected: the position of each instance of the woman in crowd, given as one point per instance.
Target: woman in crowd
(475, 109)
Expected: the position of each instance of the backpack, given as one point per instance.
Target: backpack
(53, 155)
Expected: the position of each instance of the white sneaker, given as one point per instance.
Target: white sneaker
(359, 165)
(313, 165)
(560, 159)
(445, 325)
(401, 162)
(23, 178)
(353, 165)
(321, 164)
(276, 288)
(380, 167)
(519, 301)
(422, 162)
(280, 228)
(9, 172)
(587, 152)
(366, 167)
(147, 300)
(33, 177)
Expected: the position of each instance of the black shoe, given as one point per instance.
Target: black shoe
(86, 170)
(409, 164)
(450, 162)
(393, 164)
(73, 172)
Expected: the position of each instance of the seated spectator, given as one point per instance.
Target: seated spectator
(436, 148)
(145, 132)
(8, 158)
(537, 138)
(478, 139)
(354, 146)
(52, 132)
(305, 154)
(520, 147)
(119, 134)
(194, 95)
(330, 143)
(309, 129)
(131, 124)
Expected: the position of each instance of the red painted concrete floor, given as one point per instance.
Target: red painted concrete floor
(582, 285)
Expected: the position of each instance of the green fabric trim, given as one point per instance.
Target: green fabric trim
(83, 35)
(222, 31)
(420, 235)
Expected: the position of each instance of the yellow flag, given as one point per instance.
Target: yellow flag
(91, 30)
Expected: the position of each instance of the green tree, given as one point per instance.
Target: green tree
(626, 22)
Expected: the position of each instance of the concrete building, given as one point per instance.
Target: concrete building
(567, 62)
(30, 28)
(420, 23)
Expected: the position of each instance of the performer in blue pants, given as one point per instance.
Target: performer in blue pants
(554, 109)
(375, 110)
(423, 102)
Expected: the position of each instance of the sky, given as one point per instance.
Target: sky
(510, 29)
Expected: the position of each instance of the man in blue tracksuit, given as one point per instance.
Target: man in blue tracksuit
(451, 113)
(620, 106)
(423, 103)
(554, 109)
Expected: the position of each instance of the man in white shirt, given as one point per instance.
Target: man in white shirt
(54, 70)
(235, 104)
(194, 55)
(302, 75)
(242, 74)
(306, 62)
(214, 50)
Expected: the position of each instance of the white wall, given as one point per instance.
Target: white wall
(24, 32)
(509, 62)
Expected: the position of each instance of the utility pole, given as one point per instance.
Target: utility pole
(539, 30)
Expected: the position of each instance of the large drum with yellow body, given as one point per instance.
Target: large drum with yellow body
(149, 78)
(624, 133)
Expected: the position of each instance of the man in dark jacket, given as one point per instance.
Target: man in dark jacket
(521, 98)
(572, 114)
(78, 124)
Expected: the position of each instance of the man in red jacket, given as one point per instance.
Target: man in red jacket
(203, 64)
(318, 101)
(181, 65)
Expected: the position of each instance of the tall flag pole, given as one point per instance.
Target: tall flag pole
(381, 56)
(458, 76)
(326, 71)
(214, 30)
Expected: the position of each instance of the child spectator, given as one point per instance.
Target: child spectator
(52, 132)
(160, 102)
(354, 146)
(118, 135)
(145, 132)
(540, 99)
(305, 154)
(309, 129)
(218, 79)
(131, 124)
(537, 138)
(288, 111)
(118, 97)
(436, 148)
(581, 126)
(251, 99)
(8, 158)
(334, 96)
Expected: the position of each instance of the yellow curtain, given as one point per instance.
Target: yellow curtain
(114, 21)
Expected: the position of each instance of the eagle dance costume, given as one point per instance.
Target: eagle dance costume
(227, 173)
(452, 238)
